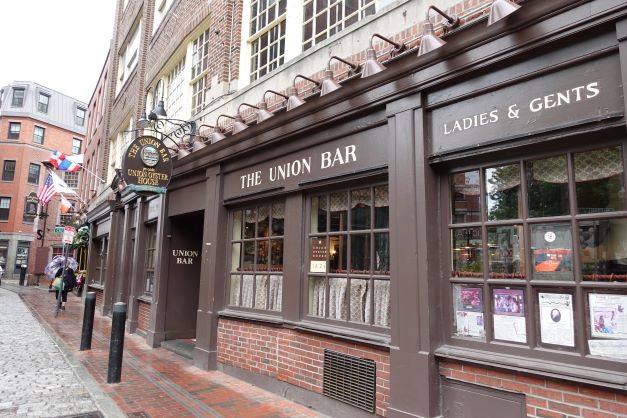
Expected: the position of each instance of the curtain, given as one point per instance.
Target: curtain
(261, 291)
(276, 292)
(337, 298)
(247, 290)
(382, 303)
(317, 303)
(360, 306)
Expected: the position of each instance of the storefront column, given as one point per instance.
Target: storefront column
(125, 259)
(156, 327)
(413, 369)
(113, 270)
(292, 267)
(621, 35)
(136, 266)
(212, 274)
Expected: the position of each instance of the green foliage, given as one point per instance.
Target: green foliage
(81, 238)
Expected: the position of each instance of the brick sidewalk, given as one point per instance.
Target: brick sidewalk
(156, 382)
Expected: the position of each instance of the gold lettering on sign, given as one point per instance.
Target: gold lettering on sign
(147, 176)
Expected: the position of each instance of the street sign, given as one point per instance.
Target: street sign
(58, 229)
(68, 234)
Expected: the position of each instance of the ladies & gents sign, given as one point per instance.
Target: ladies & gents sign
(146, 166)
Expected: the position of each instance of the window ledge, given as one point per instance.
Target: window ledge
(254, 316)
(568, 371)
(144, 298)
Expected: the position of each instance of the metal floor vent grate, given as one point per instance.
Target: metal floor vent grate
(350, 379)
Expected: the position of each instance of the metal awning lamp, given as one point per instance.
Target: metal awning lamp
(216, 135)
(328, 83)
(238, 123)
(429, 40)
(500, 9)
(293, 101)
(143, 122)
(372, 66)
(159, 110)
(263, 113)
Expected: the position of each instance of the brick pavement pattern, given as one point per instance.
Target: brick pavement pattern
(157, 382)
(35, 377)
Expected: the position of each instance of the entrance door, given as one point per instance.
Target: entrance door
(183, 281)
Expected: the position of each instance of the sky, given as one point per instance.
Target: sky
(60, 44)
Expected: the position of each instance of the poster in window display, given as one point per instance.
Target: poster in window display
(469, 311)
(608, 315)
(556, 319)
(509, 315)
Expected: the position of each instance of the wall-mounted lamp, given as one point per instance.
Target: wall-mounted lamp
(293, 100)
(328, 83)
(371, 65)
(429, 40)
(216, 135)
(159, 109)
(501, 8)
(238, 123)
(263, 113)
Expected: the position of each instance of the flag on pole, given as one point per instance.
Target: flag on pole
(47, 191)
(61, 162)
(60, 186)
(66, 205)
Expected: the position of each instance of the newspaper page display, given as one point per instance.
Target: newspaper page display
(509, 315)
(556, 319)
(469, 311)
(608, 321)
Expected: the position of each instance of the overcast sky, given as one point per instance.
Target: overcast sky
(60, 44)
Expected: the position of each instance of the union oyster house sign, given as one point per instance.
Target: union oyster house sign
(147, 166)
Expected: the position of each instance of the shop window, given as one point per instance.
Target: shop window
(33, 173)
(21, 255)
(38, 135)
(14, 130)
(4, 252)
(101, 247)
(256, 278)
(521, 254)
(267, 28)
(8, 170)
(349, 256)
(151, 257)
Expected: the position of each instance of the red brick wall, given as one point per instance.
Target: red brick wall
(143, 315)
(98, 296)
(293, 356)
(546, 398)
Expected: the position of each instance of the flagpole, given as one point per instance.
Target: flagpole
(91, 172)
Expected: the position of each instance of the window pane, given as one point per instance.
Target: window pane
(317, 296)
(276, 260)
(247, 290)
(360, 254)
(599, 181)
(552, 252)
(249, 223)
(382, 303)
(337, 298)
(337, 254)
(467, 252)
(468, 311)
(603, 250)
(465, 197)
(506, 252)
(276, 293)
(261, 291)
(339, 211)
(360, 209)
(262, 255)
(503, 192)
(318, 214)
(381, 207)
(237, 225)
(263, 221)
(360, 300)
(249, 256)
(382, 253)
(278, 216)
(547, 184)
(235, 256)
(234, 290)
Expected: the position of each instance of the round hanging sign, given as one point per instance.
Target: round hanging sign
(147, 166)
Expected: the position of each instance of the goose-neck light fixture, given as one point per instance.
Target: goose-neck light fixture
(238, 123)
(216, 135)
(263, 113)
(159, 110)
(371, 65)
(293, 101)
(500, 9)
(328, 82)
(429, 40)
(182, 152)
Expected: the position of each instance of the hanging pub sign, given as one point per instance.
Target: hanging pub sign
(147, 166)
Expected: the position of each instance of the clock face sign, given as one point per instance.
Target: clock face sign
(550, 236)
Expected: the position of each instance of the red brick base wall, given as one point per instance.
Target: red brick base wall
(546, 398)
(99, 296)
(293, 356)
(143, 315)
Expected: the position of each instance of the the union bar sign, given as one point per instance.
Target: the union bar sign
(146, 166)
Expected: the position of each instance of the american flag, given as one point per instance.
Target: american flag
(47, 191)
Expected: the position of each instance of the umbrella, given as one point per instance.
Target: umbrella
(57, 263)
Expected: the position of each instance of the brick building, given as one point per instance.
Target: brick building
(369, 220)
(34, 122)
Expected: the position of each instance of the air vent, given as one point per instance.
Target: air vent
(350, 379)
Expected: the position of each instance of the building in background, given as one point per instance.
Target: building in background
(405, 233)
(35, 121)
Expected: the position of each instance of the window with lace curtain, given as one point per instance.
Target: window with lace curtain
(349, 256)
(256, 273)
(151, 259)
